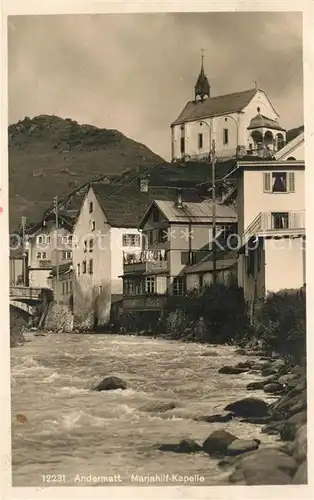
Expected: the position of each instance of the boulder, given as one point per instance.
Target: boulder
(255, 386)
(298, 418)
(232, 370)
(220, 417)
(185, 446)
(158, 406)
(266, 466)
(273, 428)
(256, 420)
(288, 431)
(111, 383)
(239, 446)
(273, 388)
(244, 364)
(298, 370)
(248, 407)
(288, 378)
(218, 442)
(300, 445)
(300, 476)
(240, 351)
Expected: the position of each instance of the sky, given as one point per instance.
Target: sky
(135, 72)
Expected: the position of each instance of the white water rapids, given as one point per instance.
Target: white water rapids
(73, 431)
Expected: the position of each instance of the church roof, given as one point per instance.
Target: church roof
(215, 106)
(260, 121)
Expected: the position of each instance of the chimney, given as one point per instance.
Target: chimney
(179, 199)
(144, 182)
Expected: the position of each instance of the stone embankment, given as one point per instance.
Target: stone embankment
(249, 460)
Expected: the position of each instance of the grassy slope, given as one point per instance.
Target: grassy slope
(50, 156)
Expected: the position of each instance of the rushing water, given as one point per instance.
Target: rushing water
(73, 431)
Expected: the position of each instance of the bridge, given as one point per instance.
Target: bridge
(26, 298)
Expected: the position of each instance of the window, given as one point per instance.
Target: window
(71, 286)
(90, 207)
(70, 238)
(91, 245)
(64, 255)
(93, 225)
(38, 255)
(182, 145)
(200, 141)
(85, 246)
(150, 237)
(128, 287)
(162, 235)
(188, 258)
(78, 268)
(39, 240)
(250, 146)
(66, 288)
(44, 255)
(179, 285)
(131, 240)
(201, 281)
(48, 239)
(63, 289)
(84, 266)
(279, 182)
(150, 284)
(156, 214)
(100, 288)
(225, 136)
(280, 220)
(90, 266)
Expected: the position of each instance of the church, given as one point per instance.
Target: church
(238, 124)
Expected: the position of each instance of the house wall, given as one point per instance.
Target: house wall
(64, 289)
(117, 249)
(251, 199)
(236, 123)
(16, 270)
(91, 292)
(298, 153)
(253, 283)
(285, 264)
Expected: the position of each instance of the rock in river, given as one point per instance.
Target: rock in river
(248, 407)
(273, 388)
(220, 417)
(239, 446)
(218, 442)
(111, 384)
(185, 446)
(232, 370)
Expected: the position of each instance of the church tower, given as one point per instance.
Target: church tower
(202, 87)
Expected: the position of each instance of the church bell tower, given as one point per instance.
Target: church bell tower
(202, 87)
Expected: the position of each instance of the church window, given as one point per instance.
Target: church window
(200, 141)
(182, 145)
(225, 136)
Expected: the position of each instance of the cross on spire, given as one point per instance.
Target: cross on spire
(202, 56)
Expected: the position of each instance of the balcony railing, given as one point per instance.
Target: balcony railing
(273, 223)
(146, 260)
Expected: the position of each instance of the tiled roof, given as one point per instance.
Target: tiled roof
(125, 205)
(215, 106)
(195, 212)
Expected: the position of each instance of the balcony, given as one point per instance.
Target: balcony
(144, 302)
(275, 224)
(145, 261)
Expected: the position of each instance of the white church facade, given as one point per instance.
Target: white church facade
(242, 123)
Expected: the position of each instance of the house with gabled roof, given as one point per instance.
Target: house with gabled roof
(177, 252)
(294, 150)
(240, 123)
(106, 228)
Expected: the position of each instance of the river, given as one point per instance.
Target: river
(73, 432)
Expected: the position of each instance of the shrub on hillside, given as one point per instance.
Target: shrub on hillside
(280, 322)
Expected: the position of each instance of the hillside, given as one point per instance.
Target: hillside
(51, 156)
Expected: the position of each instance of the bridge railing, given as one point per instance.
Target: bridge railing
(25, 292)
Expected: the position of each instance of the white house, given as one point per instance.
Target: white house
(42, 244)
(105, 232)
(241, 123)
(271, 226)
